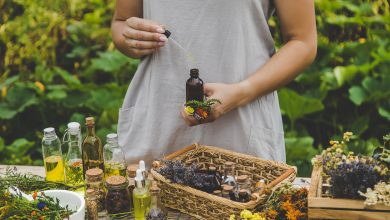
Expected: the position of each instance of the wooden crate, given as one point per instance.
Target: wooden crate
(322, 207)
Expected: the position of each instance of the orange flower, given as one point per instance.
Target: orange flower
(40, 86)
(33, 213)
(293, 214)
(287, 206)
(41, 218)
(205, 114)
(34, 195)
(272, 214)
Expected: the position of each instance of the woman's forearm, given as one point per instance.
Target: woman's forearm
(283, 67)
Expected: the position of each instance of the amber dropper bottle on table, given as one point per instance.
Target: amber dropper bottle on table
(92, 148)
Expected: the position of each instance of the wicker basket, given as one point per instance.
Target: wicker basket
(203, 205)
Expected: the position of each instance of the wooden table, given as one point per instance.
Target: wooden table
(172, 214)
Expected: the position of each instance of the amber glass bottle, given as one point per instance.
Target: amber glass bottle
(92, 148)
(194, 87)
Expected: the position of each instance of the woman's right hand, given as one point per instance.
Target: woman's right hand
(143, 37)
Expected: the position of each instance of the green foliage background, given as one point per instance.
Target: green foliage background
(58, 64)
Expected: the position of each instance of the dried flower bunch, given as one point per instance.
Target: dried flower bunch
(200, 110)
(349, 174)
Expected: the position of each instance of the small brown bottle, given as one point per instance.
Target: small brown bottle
(194, 87)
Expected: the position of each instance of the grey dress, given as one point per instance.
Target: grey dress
(230, 39)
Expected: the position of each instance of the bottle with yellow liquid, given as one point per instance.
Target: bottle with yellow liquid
(114, 158)
(92, 148)
(52, 156)
(141, 197)
(73, 161)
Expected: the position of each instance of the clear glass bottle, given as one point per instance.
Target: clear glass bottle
(157, 211)
(117, 198)
(94, 180)
(52, 156)
(114, 158)
(73, 160)
(194, 87)
(141, 197)
(92, 149)
(229, 177)
(227, 192)
(216, 178)
(91, 203)
(131, 173)
(244, 183)
(243, 196)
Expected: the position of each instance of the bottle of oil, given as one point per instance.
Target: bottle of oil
(147, 181)
(73, 161)
(114, 158)
(92, 149)
(52, 156)
(194, 87)
(157, 210)
(141, 197)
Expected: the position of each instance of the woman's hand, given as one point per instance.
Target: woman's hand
(230, 95)
(143, 37)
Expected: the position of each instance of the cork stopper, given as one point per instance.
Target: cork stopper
(242, 178)
(132, 170)
(227, 188)
(115, 180)
(94, 174)
(217, 192)
(242, 192)
(229, 164)
(212, 169)
(90, 192)
(89, 121)
(154, 189)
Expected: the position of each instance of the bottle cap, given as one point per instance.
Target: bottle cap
(212, 168)
(115, 180)
(73, 128)
(217, 192)
(194, 73)
(132, 170)
(139, 176)
(112, 137)
(242, 178)
(229, 164)
(242, 192)
(154, 188)
(48, 130)
(142, 165)
(90, 192)
(89, 121)
(167, 33)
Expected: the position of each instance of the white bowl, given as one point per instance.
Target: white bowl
(71, 199)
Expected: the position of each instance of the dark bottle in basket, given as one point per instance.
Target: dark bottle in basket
(194, 87)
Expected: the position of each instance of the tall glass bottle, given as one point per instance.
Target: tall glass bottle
(73, 160)
(194, 87)
(114, 158)
(92, 149)
(141, 197)
(147, 182)
(157, 211)
(52, 156)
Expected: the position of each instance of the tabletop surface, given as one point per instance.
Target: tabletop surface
(39, 170)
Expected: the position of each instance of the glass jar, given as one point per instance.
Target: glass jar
(243, 196)
(114, 158)
(157, 211)
(244, 183)
(229, 177)
(91, 203)
(94, 180)
(52, 156)
(117, 198)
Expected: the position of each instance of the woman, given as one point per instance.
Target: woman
(234, 50)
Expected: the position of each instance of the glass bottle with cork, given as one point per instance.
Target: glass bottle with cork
(131, 173)
(194, 87)
(52, 156)
(141, 197)
(94, 180)
(114, 158)
(147, 181)
(229, 177)
(92, 149)
(157, 211)
(91, 203)
(117, 198)
(73, 161)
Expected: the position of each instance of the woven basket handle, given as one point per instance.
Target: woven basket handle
(281, 178)
(181, 151)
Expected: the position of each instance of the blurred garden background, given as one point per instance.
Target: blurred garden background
(58, 64)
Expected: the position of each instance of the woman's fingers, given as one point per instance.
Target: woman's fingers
(141, 52)
(136, 44)
(144, 25)
(131, 33)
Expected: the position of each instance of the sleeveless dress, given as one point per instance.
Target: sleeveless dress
(230, 40)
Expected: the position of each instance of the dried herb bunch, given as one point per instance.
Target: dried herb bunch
(347, 173)
(178, 172)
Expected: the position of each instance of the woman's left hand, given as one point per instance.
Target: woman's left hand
(230, 95)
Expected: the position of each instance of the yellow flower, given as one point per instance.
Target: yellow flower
(4, 91)
(272, 214)
(258, 216)
(293, 214)
(287, 205)
(40, 86)
(189, 110)
(347, 135)
(362, 40)
(232, 217)
(246, 214)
